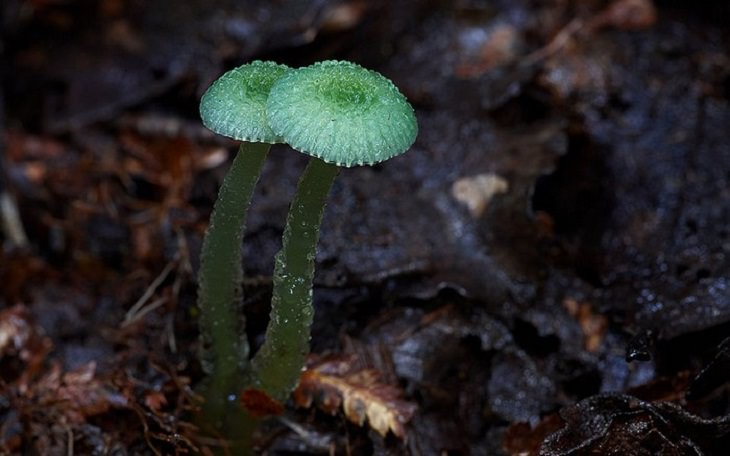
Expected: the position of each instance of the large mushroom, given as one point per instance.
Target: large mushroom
(340, 114)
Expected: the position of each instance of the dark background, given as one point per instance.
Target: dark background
(547, 271)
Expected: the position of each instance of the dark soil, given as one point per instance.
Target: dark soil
(547, 271)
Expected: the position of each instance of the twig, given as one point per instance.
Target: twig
(10, 221)
(134, 313)
(556, 44)
(144, 311)
(70, 441)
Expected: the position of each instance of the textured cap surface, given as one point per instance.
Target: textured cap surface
(235, 104)
(342, 113)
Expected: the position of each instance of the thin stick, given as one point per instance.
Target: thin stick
(132, 313)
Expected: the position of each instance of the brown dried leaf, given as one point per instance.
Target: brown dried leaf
(76, 395)
(623, 424)
(344, 16)
(155, 400)
(525, 440)
(500, 47)
(628, 15)
(21, 338)
(17, 270)
(594, 325)
(334, 381)
(259, 404)
(475, 192)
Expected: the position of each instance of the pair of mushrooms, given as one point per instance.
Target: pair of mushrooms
(340, 114)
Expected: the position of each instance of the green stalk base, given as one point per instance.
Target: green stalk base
(277, 366)
(224, 344)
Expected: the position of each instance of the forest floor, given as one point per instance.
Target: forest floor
(546, 271)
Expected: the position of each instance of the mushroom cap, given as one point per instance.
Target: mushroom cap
(341, 113)
(235, 104)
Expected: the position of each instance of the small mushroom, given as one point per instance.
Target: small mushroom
(234, 106)
(340, 114)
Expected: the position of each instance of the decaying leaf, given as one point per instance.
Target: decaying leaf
(21, 338)
(627, 15)
(477, 191)
(525, 440)
(336, 381)
(594, 325)
(259, 404)
(155, 400)
(77, 394)
(622, 424)
(713, 376)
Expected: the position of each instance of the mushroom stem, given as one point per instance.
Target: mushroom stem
(225, 347)
(277, 366)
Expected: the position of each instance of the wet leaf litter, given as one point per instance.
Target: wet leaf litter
(504, 315)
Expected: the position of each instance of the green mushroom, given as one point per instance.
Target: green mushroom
(233, 106)
(340, 114)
